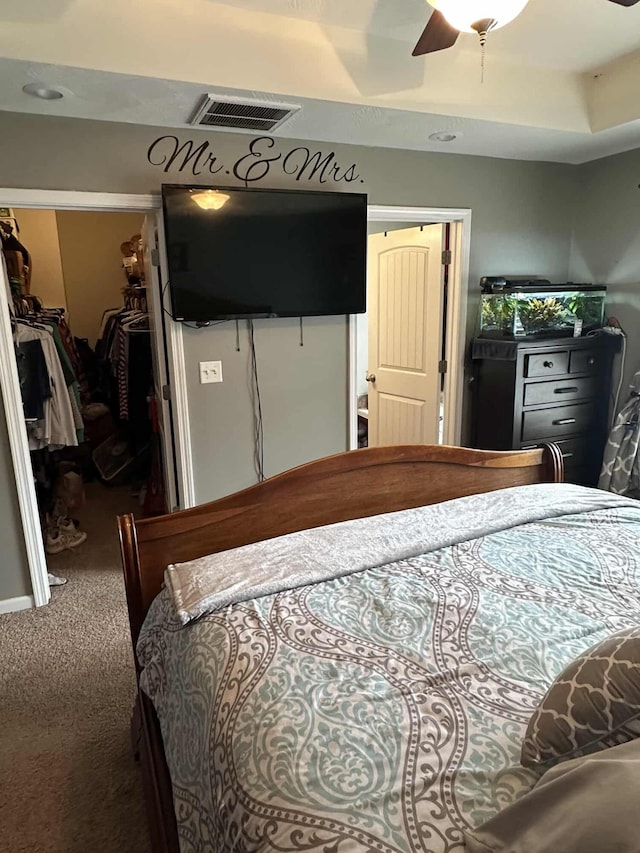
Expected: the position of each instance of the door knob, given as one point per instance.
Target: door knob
(370, 377)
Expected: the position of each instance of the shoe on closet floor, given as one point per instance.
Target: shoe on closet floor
(58, 541)
(56, 580)
(69, 525)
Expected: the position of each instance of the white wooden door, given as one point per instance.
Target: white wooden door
(404, 293)
(155, 299)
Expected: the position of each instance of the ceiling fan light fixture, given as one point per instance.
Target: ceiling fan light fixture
(210, 199)
(464, 15)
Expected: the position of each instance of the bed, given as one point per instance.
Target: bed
(344, 657)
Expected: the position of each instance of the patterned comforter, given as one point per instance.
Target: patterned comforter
(383, 709)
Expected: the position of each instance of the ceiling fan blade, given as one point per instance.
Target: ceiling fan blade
(626, 2)
(437, 35)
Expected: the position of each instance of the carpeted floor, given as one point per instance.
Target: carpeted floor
(68, 782)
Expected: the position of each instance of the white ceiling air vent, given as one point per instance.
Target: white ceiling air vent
(218, 112)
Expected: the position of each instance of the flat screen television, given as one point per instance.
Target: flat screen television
(264, 253)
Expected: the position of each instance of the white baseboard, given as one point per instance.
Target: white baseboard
(11, 605)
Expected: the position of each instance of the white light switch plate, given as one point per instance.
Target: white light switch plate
(210, 371)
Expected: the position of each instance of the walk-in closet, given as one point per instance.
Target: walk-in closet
(77, 294)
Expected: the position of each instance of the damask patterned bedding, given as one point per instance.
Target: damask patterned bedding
(380, 704)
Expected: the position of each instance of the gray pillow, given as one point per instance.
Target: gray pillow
(593, 704)
(586, 805)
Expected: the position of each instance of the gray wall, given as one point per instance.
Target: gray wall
(521, 225)
(606, 242)
(303, 392)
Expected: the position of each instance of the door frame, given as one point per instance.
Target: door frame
(456, 319)
(10, 388)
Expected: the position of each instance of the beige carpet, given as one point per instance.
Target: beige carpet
(68, 782)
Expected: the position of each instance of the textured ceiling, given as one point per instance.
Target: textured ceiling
(561, 81)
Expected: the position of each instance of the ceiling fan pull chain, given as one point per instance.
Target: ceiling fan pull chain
(482, 27)
(483, 43)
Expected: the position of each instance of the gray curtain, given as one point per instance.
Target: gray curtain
(621, 463)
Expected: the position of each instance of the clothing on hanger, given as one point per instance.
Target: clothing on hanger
(109, 312)
(58, 426)
(34, 378)
(127, 371)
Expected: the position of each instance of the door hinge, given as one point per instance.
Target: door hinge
(446, 257)
(442, 366)
(166, 392)
(155, 257)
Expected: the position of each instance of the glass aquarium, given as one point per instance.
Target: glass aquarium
(532, 311)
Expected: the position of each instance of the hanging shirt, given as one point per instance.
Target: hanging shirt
(68, 370)
(110, 312)
(57, 428)
(34, 378)
(136, 324)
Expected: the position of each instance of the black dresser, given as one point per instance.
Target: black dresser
(528, 392)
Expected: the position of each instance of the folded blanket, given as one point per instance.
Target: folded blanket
(323, 553)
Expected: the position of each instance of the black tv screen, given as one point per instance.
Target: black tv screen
(264, 253)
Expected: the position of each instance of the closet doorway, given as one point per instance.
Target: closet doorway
(90, 364)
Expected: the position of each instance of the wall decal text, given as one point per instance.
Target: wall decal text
(263, 158)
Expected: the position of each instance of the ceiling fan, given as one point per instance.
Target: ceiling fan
(451, 17)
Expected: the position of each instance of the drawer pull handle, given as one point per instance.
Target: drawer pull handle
(567, 455)
(547, 364)
(573, 389)
(591, 360)
(564, 421)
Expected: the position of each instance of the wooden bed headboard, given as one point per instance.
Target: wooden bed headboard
(339, 488)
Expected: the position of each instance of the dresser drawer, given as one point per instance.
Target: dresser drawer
(581, 460)
(563, 420)
(587, 361)
(579, 466)
(574, 451)
(547, 364)
(559, 390)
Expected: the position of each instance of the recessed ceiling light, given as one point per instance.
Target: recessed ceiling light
(39, 90)
(444, 136)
